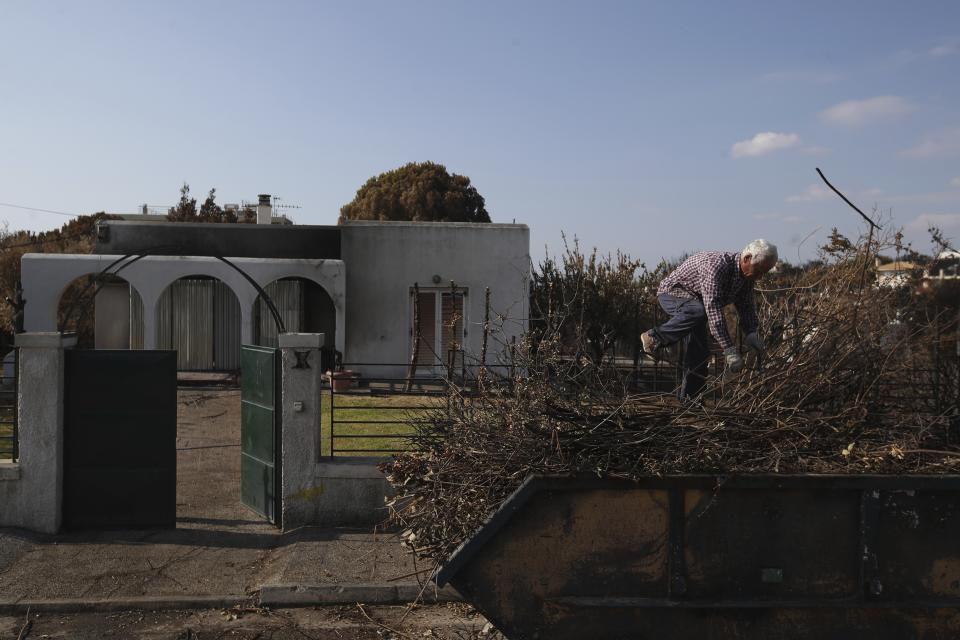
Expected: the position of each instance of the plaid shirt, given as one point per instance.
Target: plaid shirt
(715, 278)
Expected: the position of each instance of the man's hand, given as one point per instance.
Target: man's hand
(754, 342)
(734, 361)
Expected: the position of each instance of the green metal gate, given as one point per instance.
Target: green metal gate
(260, 430)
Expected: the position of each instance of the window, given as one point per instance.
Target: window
(441, 328)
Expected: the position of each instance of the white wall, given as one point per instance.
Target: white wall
(385, 259)
(45, 276)
(380, 262)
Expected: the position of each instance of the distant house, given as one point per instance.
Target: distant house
(943, 270)
(354, 282)
(946, 266)
(896, 273)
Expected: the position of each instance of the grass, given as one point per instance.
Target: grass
(6, 433)
(353, 414)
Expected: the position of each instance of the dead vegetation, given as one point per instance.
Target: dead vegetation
(856, 378)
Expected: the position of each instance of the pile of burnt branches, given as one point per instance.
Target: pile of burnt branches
(852, 381)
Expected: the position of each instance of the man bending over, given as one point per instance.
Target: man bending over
(694, 296)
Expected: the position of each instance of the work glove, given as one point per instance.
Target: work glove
(734, 361)
(754, 342)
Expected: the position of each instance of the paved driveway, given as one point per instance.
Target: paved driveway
(218, 548)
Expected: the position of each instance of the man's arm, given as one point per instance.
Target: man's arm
(710, 290)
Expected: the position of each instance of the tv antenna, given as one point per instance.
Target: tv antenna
(277, 204)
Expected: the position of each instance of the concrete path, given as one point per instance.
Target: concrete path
(219, 548)
(194, 562)
(354, 622)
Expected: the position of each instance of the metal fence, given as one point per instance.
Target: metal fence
(366, 414)
(369, 415)
(9, 441)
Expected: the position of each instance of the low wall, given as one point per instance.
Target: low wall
(330, 492)
(31, 489)
(349, 492)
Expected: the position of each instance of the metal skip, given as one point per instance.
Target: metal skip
(772, 557)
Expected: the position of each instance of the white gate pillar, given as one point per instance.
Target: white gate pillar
(31, 489)
(332, 492)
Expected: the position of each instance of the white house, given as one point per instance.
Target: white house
(895, 274)
(191, 287)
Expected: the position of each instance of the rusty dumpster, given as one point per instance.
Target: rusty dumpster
(710, 557)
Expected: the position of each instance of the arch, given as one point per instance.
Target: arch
(45, 274)
(305, 306)
(199, 316)
(104, 310)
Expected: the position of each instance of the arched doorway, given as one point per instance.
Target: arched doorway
(199, 317)
(104, 310)
(304, 306)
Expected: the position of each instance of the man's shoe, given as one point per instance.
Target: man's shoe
(650, 345)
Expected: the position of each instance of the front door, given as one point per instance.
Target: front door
(260, 430)
(440, 318)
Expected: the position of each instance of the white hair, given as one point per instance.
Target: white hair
(761, 252)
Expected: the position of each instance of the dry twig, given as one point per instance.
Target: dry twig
(833, 396)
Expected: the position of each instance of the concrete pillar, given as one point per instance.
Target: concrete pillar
(31, 495)
(246, 316)
(300, 425)
(341, 337)
(331, 492)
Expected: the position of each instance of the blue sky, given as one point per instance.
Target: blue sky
(655, 128)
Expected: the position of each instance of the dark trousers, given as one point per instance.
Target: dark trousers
(687, 324)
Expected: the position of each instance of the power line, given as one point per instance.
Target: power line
(59, 213)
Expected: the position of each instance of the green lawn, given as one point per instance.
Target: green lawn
(6, 433)
(352, 413)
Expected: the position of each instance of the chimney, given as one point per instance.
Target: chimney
(264, 210)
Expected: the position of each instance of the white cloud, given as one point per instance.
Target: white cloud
(764, 143)
(943, 221)
(941, 143)
(946, 49)
(811, 193)
(940, 51)
(955, 182)
(855, 113)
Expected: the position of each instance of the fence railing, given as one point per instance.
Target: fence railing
(366, 414)
(9, 437)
